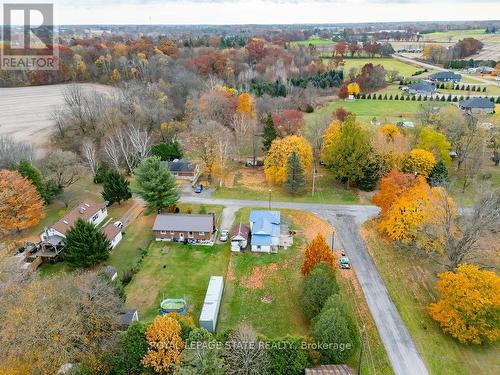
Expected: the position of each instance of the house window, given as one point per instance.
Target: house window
(258, 247)
(94, 218)
(190, 234)
(172, 233)
(163, 232)
(201, 233)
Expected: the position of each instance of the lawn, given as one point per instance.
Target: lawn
(365, 110)
(388, 63)
(251, 183)
(411, 286)
(314, 42)
(172, 270)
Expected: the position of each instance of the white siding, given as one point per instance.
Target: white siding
(211, 305)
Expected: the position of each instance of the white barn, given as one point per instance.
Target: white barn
(211, 305)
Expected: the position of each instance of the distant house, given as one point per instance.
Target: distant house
(127, 317)
(184, 227)
(406, 124)
(183, 169)
(239, 237)
(477, 105)
(445, 77)
(266, 229)
(86, 210)
(422, 88)
(113, 233)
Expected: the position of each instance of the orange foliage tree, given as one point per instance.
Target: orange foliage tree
(168, 47)
(165, 345)
(392, 187)
(276, 162)
(246, 105)
(20, 204)
(317, 251)
(469, 305)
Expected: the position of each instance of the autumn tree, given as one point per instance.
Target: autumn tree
(245, 353)
(132, 347)
(276, 162)
(165, 345)
(348, 151)
(295, 181)
(20, 204)
(343, 92)
(353, 88)
(468, 305)
(269, 134)
(115, 187)
(341, 114)
(288, 122)
(392, 187)
(317, 251)
(156, 185)
(168, 47)
(419, 162)
(85, 245)
(246, 105)
(256, 49)
(435, 142)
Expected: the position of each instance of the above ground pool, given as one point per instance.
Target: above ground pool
(170, 305)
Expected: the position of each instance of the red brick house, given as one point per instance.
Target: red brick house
(184, 227)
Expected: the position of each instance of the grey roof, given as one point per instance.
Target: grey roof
(422, 86)
(182, 165)
(476, 103)
(127, 316)
(109, 270)
(445, 75)
(184, 222)
(330, 370)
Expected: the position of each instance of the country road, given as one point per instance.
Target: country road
(346, 219)
(434, 67)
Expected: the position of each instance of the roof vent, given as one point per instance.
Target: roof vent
(86, 204)
(65, 222)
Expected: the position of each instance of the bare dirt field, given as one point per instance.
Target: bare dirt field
(25, 112)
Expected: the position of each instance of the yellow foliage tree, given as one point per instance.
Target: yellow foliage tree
(227, 90)
(469, 305)
(317, 251)
(329, 138)
(276, 162)
(165, 345)
(435, 142)
(20, 204)
(390, 131)
(419, 161)
(246, 105)
(353, 88)
(115, 76)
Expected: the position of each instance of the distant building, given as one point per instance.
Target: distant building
(445, 77)
(477, 105)
(184, 169)
(127, 317)
(422, 89)
(184, 227)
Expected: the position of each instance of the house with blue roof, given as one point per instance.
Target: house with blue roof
(265, 227)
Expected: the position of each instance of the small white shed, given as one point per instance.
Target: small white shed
(210, 310)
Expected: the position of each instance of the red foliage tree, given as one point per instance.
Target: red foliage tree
(341, 48)
(288, 122)
(256, 49)
(343, 92)
(341, 114)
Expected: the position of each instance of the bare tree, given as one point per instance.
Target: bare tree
(224, 151)
(89, 153)
(140, 142)
(123, 142)
(245, 354)
(62, 167)
(112, 150)
(315, 135)
(12, 152)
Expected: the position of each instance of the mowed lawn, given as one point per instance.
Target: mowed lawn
(175, 271)
(411, 286)
(314, 41)
(388, 63)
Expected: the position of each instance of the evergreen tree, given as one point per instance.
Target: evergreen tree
(269, 134)
(438, 175)
(370, 173)
(85, 245)
(115, 187)
(156, 185)
(32, 173)
(167, 151)
(295, 181)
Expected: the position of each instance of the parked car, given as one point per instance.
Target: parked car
(118, 224)
(198, 189)
(223, 235)
(344, 263)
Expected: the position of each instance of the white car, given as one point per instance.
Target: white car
(118, 224)
(223, 235)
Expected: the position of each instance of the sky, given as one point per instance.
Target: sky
(267, 11)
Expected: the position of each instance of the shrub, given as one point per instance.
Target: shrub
(131, 349)
(316, 288)
(286, 356)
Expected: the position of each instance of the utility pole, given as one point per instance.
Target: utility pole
(269, 198)
(333, 239)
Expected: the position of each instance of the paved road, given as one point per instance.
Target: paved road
(346, 219)
(430, 66)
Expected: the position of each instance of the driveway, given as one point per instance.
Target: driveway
(346, 219)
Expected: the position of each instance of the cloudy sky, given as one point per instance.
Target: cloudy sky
(268, 11)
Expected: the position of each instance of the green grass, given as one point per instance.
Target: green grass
(181, 272)
(313, 41)
(365, 110)
(388, 63)
(411, 286)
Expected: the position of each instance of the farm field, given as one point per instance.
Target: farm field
(411, 287)
(314, 42)
(388, 63)
(456, 35)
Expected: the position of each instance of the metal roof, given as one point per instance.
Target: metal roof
(182, 165)
(212, 299)
(184, 222)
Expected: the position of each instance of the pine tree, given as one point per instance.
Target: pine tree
(30, 172)
(438, 175)
(156, 185)
(85, 245)
(115, 187)
(269, 134)
(295, 181)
